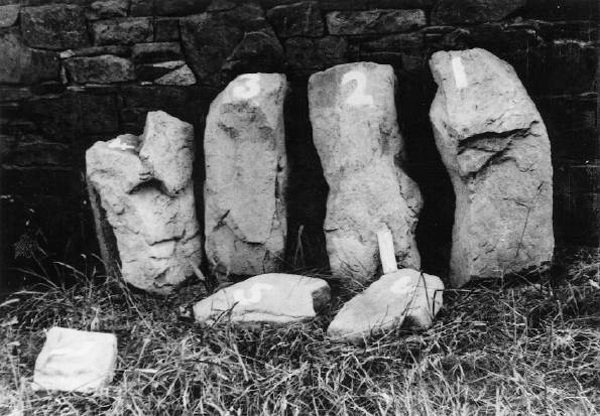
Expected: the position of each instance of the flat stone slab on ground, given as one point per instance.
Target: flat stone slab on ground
(73, 360)
(404, 295)
(266, 298)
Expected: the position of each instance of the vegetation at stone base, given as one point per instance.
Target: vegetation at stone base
(510, 348)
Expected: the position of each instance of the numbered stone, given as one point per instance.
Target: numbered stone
(143, 202)
(404, 297)
(267, 298)
(496, 149)
(246, 173)
(73, 360)
(356, 134)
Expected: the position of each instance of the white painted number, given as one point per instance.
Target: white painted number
(255, 294)
(460, 76)
(118, 144)
(247, 86)
(358, 97)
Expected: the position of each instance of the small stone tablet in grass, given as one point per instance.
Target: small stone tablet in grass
(73, 360)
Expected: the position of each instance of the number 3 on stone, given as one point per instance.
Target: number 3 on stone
(247, 87)
(358, 97)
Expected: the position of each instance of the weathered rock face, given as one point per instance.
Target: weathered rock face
(146, 195)
(20, 64)
(246, 173)
(102, 69)
(404, 296)
(55, 26)
(73, 360)
(355, 131)
(449, 12)
(236, 40)
(267, 298)
(496, 149)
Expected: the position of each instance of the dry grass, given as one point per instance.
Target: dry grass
(503, 350)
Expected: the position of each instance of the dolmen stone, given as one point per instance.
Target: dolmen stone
(246, 175)
(404, 297)
(275, 298)
(142, 196)
(355, 132)
(495, 146)
(73, 360)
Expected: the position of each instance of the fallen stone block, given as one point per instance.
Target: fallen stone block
(73, 360)
(355, 132)
(495, 146)
(143, 202)
(246, 174)
(402, 297)
(268, 298)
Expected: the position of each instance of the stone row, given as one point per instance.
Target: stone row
(496, 151)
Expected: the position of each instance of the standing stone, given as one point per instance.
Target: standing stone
(496, 149)
(246, 173)
(146, 194)
(355, 131)
(73, 360)
(267, 298)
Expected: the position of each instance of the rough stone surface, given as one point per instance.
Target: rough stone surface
(374, 21)
(449, 12)
(306, 53)
(20, 64)
(102, 69)
(105, 9)
(9, 14)
(246, 173)
(496, 149)
(146, 194)
(180, 7)
(73, 360)
(298, 19)
(405, 296)
(123, 31)
(215, 39)
(355, 132)
(56, 26)
(268, 298)
(181, 76)
(156, 52)
(166, 29)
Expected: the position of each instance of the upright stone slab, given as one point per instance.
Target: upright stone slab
(244, 149)
(142, 196)
(355, 131)
(496, 149)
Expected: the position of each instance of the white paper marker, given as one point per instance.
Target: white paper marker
(460, 76)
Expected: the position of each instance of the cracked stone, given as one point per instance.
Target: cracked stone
(495, 146)
(142, 196)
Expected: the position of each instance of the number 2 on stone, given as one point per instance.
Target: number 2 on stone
(358, 96)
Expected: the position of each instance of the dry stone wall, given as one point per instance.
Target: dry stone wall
(76, 71)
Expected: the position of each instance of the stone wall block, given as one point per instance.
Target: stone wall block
(246, 175)
(102, 69)
(298, 19)
(9, 14)
(123, 31)
(457, 12)
(321, 53)
(21, 64)
(374, 21)
(496, 149)
(106, 9)
(55, 26)
(355, 131)
(142, 186)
